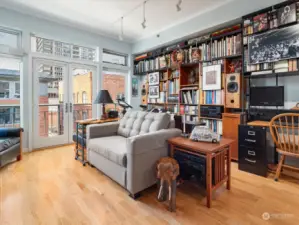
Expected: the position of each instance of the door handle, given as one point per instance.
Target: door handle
(251, 161)
(251, 153)
(249, 140)
(71, 107)
(66, 108)
(252, 133)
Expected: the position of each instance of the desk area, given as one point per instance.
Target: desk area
(218, 160)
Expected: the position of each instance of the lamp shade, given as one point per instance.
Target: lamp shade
(103, 97)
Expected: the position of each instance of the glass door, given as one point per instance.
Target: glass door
(51, 103)
(83, 94)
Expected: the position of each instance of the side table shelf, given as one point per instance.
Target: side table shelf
(80, 137)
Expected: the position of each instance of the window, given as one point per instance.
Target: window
(84, 97)
(78, 96)
(74, 97)
(10, 38)
(115, 58)
(17, 90)
(52, 47)
(84, 115)
(4, 89)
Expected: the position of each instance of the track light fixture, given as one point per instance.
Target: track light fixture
(144, 20)
(178, 6)
(121, 34)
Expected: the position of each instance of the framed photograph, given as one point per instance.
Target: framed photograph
(274, 45)
(287, 14)
(153, 91)
(195, 55)
(211, 79)
(135, 87)
(260, 22)
(153, 78)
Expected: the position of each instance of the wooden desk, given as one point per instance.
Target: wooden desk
(259, 123)
(221, 154)
(80, 148)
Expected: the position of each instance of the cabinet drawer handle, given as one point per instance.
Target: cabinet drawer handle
(252, 133)
(249, 140)
(251, 152)
(251, 161)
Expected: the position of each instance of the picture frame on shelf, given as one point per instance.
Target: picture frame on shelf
(153, 91)
(135, 87)
(211, 79)
(287, 14)
(260, 22)
(153, 78)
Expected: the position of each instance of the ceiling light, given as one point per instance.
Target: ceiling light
(178, 6)
(121, 35)
(144, 20)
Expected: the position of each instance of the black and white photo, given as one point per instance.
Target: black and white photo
(153, 91)
(274, 45)
(153, 78)
(287, 14)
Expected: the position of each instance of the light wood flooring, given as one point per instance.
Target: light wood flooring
(49, 187)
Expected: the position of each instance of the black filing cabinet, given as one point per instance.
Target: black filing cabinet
(253, 149)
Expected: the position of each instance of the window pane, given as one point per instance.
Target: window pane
(114, 58)
(9, 39)
(9, 92)
(115, 84)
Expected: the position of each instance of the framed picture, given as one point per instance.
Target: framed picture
(260, 22)
(211, 79)
(135, 88)
(287, 14)
(153, 78)
(274, 45)
(153, 91)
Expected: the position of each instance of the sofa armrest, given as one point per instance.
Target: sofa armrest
(150, 141)
(143, 152)
(101, 130)
(10, 132)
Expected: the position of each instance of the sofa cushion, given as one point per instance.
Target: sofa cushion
(138, 122)
(6, 142)
(112, 148)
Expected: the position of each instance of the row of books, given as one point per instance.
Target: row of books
(272, 19)
(152, 64)
(163, 86)
(227, 46)
(214, 125)
(190, 110)
(173, 99)
(206, 52)
(174, 86)
(163, 76)
(190, 96)
(275, 67)
(190, 118)
(216, 97)
(162, 97)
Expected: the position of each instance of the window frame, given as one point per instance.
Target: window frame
(110, 52)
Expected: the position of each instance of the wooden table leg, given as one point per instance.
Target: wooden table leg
(209, 180)
(228, 161)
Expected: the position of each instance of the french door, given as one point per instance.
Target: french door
(62, 94)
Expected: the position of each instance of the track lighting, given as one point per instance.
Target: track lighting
(144, 20)
(178, 6)
(121, 35)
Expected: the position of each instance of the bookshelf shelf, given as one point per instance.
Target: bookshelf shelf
(189, 85)
(189, 104)
(190, 64)
(212, 104)
(269, 75)
(209, 118)
(227, 34)
(227, 57)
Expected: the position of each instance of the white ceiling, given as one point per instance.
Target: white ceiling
(103, 16)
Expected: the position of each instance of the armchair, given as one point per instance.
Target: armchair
(10, 145)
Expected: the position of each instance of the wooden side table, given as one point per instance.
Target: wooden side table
(217, 152)
(80, 148)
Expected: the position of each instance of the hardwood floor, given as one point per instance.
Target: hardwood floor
(49, 187)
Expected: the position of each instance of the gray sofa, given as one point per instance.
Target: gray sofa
(128, 150)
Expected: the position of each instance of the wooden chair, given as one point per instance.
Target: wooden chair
(284, 129)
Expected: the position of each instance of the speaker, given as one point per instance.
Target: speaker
(143, 95)
(233, 91)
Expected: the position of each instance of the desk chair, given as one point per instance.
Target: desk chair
(284, 129)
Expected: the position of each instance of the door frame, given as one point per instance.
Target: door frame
(38, 141)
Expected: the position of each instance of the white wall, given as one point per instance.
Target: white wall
(233, 10)
(29, 24)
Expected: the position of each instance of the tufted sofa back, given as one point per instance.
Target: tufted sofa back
(138, 122)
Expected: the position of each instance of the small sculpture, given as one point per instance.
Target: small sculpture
(202, 133)
(168, 170)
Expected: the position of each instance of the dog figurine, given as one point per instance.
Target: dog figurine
(167, 171)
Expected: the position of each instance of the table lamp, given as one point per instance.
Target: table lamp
(103, 98)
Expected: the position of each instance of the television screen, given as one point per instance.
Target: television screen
(267, 96)
(274, 45)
